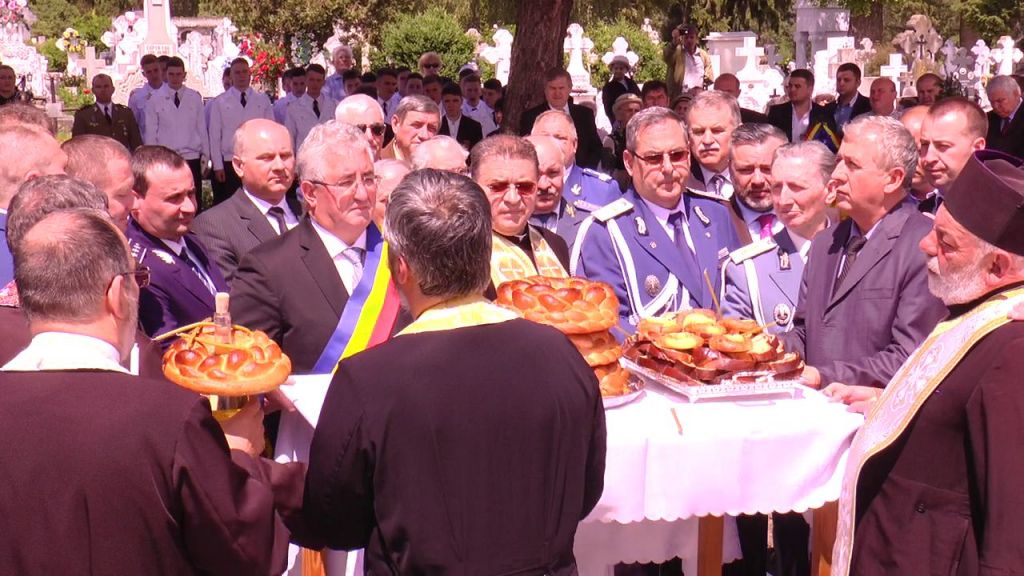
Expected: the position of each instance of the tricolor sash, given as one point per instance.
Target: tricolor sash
(370, 312)
(459, 313)
(908, 390)
(509, 262)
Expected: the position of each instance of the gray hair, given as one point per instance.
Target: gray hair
(549, 115)
(42, 196)
(339, 49)
(439, 223)
(423, 153)
(90, 154)
(648, 117)
(814, 152)
(898, 148)
(501, 147)
(753, 134)
(65, 263)
(1005, 84)
(326, 143)
(715, 99)
(416, 103)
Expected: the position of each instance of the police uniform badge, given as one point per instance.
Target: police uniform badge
(782, 314)
(570, 210)
(576, 189)
(784, 263)
(641, 226)
(652, 285)
(167, 258)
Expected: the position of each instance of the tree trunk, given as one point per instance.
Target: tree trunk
(540, 30)
(869, 25)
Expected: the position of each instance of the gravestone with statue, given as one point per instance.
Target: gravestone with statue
(15, 51)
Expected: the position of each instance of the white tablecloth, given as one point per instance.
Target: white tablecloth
(750, 456)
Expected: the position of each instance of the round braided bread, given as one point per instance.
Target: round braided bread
(613, 379)
(572, 305)
(597, 348)
(251, 364)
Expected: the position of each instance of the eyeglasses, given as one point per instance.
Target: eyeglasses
(522, 188)
(140, 274)
(369, 182)
(656, 158)
(432, 65)
(375, 129)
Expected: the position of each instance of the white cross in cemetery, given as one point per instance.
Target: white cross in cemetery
(753, 53)
(1005, 56)
(895, 70)
(620, 47)
(576, 44)
(500, 55)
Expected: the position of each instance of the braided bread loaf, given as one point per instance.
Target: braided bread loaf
(251, 364)
(572, 305)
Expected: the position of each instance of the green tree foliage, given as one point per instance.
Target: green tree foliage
(649, 67)
(403, 40)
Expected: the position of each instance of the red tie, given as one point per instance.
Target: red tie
(766, 221)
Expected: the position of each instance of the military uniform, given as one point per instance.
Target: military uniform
(121, 126)
(762, 281)
(590, 186)
(584, 192)
(626, 246)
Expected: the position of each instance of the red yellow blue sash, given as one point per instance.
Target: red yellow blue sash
(370, 312)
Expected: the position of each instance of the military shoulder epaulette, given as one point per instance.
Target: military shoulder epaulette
(586, 206)
(708, 195)
(751, 250)
(609, 211)
(601, 175)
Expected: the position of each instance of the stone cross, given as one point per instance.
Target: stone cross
(500, 55)
(753, 53)
(949, 52)
(576, 44)
(620, 47)
(1006, 56)
(91, 66)
(895, 70)
(983, 59)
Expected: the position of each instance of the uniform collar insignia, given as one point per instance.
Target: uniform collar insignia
(167, 258)
(576, 189)
(700, 214)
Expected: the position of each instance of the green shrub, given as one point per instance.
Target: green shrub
(57, 61)
(403, 40)
(649, 67)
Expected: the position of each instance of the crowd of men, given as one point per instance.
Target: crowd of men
(364, 222)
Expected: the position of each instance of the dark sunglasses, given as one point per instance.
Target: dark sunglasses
(375, 129)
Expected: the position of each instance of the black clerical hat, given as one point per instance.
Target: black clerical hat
(987, 199)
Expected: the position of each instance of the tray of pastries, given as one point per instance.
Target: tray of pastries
(700, 355)
(584, 311)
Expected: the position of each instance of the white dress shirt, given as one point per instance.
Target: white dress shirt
(177, 246)
(727, 187)
(482, 113)
(694, 74)
(181, 128)
(335, 248)
(453, 125)
(334, 86)
(227, 114)
(800, 124)
(290, 219)
(137, 101)
(300, 118)
(66, 351)
(662, 215)
(281, 107)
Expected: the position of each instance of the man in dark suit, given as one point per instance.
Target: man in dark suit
(306, 287)
(849, 102)
(864, 303)
(711, 119)
(557, 86)
(104, 118)
(730, 84)
(148, 487)
(456, 124)
(752, 152)
(1005, 121)
(262, 208)
(505, 498)
(798, 115)
(951, 132)
(184, 278)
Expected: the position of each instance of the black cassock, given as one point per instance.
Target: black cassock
(470, 451)
(948, 496)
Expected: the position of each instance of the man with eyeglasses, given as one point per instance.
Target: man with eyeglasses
(416, 120)
(365, 114)
(506, 168)
(139, 476)
(430, 64)
(262, 208)
(307, 289)
(184, 277)
(659, 248)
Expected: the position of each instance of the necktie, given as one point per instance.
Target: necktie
(316, 108)
(766, 221)
(1006, 126)
(198, 271)
(716, 184)
(243, 99)
(547, 221)
(177, 100)
(277, 213)
(853, 247)
(355, 257)
(106, 112)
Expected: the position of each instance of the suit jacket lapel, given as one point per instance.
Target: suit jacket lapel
(736, 216)
(197, 248)
(877, 247)
(252, 218)
(660, 246)
(321, 267)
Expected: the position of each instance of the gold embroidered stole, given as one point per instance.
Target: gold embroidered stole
(459, 313)
(908, 390)
(509, 262)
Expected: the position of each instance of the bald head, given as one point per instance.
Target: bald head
(729, 84)
(441, 153)
(264, 159)
(389, 173)
(28, 152)
(883, 96)
(107, 165)
(559, 126)
(364, 113)
(551, 173)
(912, 118)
